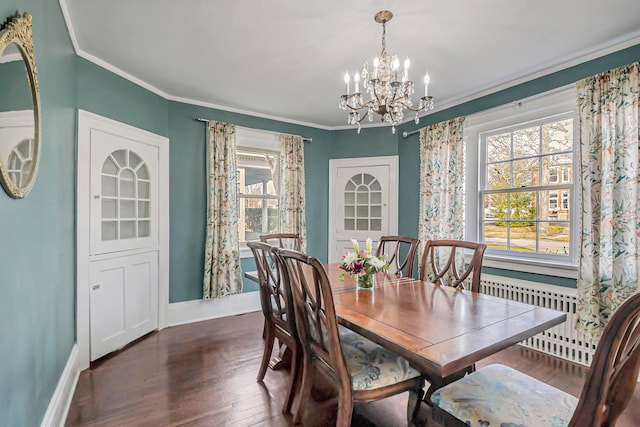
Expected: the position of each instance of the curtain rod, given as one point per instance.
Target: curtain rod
(245, 127)
(517, 103)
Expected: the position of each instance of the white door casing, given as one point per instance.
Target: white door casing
(122, 234)
(363, 201)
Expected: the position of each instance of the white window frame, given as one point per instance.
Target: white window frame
(557, 102)
(554, 178)
(256, 140)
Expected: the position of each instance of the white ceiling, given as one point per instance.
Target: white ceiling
(286, 58)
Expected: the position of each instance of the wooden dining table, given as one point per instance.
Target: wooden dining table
(440, 330)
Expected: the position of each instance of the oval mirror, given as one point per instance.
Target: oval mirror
(19, 108)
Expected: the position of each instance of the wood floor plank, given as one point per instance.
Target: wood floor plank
(204, 374)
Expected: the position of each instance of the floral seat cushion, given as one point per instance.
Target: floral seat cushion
(370, 365)
(503, 397)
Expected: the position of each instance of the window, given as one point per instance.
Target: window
(363, 203)
(257, 157)
(126, 197)
(519, 162)
(522, 187)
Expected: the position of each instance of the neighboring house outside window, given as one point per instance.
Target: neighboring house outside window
(526, 192)
(257, 158)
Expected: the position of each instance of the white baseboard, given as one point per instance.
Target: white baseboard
(180, 313)
(58, 408)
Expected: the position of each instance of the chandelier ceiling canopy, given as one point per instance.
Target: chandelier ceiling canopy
(388, 87)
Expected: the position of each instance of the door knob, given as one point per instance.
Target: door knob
(95, 287)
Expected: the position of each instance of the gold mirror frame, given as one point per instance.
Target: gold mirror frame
(19, 31)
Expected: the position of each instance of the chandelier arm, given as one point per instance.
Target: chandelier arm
(424, 99)
(361, 106)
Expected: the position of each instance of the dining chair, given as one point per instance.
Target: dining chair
(283, 240)
(355, 367)
(443, 263)
(400, 252)
(277, 306)
(498, 395)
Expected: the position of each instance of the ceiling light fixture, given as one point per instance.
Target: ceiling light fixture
(389, 88)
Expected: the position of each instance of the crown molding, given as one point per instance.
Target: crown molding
(579, 58)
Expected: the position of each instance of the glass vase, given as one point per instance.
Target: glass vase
(366, 281)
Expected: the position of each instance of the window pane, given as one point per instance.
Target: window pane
(109, 186)
(498, 147)
(557, 136)
(522, 206)
(522, 236)
(499, 176)
(349, 211)
(257, 181)
(525, 172)
(109, 209)
(143, 190)
(367, 179)
(554, 237)
(349, 224)
(127, 229)
(349, 198)
(376, 225)
(376, 197)
(362, 224)
(363, 211)
(144, 228)
(109, 230)
(526, 142)
(495, 234)
(376, 211)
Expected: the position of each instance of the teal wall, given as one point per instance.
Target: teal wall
(37, 254)
(188, 191)
(109, 95)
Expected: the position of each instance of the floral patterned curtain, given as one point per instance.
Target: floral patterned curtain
(291, 191)
(222, 274)
(609, 164)
(441, 213)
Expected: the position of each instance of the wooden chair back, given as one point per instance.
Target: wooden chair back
(283, 240)
(443, 263)
(316, 316)
(613, 375)
(400, 252)
(275, 297)
(279, 313)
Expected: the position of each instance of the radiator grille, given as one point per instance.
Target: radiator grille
(562, 340)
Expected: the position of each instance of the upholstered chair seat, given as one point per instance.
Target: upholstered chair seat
(370, 365)
(501, 396)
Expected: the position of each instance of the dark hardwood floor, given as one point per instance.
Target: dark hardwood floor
(204, 374)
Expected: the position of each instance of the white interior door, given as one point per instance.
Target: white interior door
(119, 251)
(363, 201)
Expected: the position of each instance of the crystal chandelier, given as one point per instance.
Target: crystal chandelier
(389, 88)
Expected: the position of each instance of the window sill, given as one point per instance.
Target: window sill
(548, 268)
(245, 252)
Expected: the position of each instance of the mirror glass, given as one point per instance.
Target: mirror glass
(19, 112)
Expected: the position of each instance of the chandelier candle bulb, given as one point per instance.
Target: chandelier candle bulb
(356, 79)
(427, 79)
(346, 83)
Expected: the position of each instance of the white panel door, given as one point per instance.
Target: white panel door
(123, 301)
(363, 201)
(122, 237)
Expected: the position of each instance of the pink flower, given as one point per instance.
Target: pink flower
(357, 267)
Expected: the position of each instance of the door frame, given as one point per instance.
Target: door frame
(334, 164)
(86, 122)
